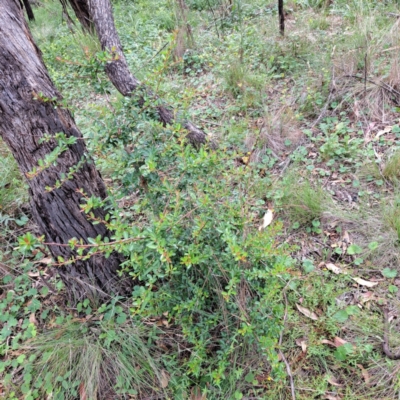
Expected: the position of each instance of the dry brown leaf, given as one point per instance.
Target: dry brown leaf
(164, 378)
(383, 131)
(32, 319)
(333, 381)
(337, 341)
(363, 282)
(195, 394)
(302, 342)
(307, 312)
(268, 217)
(334, 268)
(82, 392)
(365, 374)
(165, 323)
(326, 341)
(367, 296)
(346, 237)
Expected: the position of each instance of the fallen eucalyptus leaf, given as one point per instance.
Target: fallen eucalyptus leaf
(363, 282)
(307, 312)
(268, 217)
(334, 268)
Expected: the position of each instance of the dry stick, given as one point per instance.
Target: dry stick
(385, 345)
(288, 370)
(365, 75)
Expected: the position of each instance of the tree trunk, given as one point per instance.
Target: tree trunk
(26, 115)
(281, 17)
(81, 11)
(100, 13)
(28, 9)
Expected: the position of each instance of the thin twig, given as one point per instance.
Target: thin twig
(365, 75)
(86, 246)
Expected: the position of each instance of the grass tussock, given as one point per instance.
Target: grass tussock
(302, 201)
(391, 170)
(93, 360)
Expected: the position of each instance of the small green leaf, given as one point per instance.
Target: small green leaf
(341, 316)
(358, 261)
(373, 246)
(308, 266)
(395, 129)
(249, 377)
(121, 318)
(354, 249)
(389, 273)
(393, 289)
(21, 358)
(342, 352)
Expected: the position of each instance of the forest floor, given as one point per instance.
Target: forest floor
(313, 113)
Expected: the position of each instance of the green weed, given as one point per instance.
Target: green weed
(13, 192)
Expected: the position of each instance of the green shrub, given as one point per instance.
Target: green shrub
(192, 243)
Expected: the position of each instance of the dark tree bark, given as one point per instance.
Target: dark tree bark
(281, 17)
(81, 11)
(26, 115)
(28, 9)
(100, 13)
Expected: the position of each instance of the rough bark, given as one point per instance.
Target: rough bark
(26, 115)
(100, 13)
(81, 11)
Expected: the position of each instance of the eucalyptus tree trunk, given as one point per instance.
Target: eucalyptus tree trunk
(100, 14)
(30, 110)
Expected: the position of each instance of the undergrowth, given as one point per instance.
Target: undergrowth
(225, 305)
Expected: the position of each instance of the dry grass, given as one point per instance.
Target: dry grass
(367, 73)
(391, 170)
